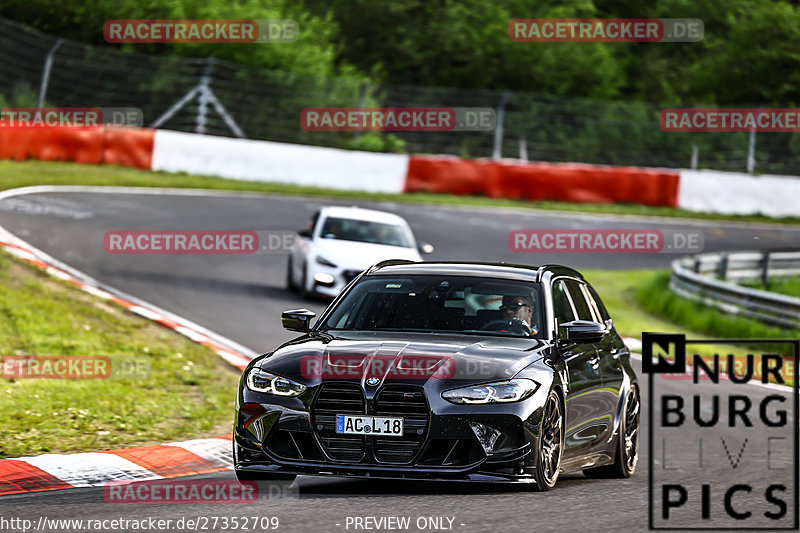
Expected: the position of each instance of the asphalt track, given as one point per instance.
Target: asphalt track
(241, 297)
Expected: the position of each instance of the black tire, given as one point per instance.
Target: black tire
(289, 281)
(551, 443)
(627, 455)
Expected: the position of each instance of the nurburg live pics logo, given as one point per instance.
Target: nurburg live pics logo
(723, 443)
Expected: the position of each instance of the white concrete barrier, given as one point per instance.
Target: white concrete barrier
(279, 162)
(731, 193)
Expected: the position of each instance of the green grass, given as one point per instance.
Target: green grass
(790, 286)
(189, 393)
(21, 174)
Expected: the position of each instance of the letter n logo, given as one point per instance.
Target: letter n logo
(669, 349)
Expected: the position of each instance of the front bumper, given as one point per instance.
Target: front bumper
(288, 436)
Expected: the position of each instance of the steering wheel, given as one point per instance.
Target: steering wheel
(515, 325)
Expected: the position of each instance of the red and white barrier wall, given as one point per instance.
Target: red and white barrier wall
(129, 147)
(701, 191)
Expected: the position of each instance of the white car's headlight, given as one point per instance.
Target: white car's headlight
(322, 261)
(262, 381)
(513, 390)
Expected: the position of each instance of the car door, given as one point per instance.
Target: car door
(582, 428)
(609, 349)
(604, 401)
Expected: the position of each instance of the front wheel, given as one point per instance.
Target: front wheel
(627, 442)
(551, 444)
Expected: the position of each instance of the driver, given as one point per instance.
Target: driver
(518, 307)
(516, 316)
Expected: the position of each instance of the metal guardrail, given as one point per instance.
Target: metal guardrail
(692, 278)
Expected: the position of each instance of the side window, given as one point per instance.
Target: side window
(561, 304)
(579, 300)
(597, 303)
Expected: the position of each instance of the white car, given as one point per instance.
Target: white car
(341, 242)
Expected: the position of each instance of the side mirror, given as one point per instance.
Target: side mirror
(304, 233)
(297, 320)
(425, 247)
(584, 331)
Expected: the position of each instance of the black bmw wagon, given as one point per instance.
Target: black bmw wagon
(445, 371)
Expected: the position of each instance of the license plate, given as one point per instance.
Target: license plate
(369, 425)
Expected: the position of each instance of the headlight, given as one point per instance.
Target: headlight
(512, 390)
(261, 381)
(322, 261)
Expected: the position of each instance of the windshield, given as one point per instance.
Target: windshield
(439, 303)
(347, 229)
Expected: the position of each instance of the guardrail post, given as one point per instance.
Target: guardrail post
(723, 267)
(497, 153)
(48, 66)
(765, 270)
(202, 108)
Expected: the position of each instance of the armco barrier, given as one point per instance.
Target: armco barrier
(690, 279)
(131, 147)
(565, 182)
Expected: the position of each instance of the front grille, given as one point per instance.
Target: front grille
(393, 401)
(333, 399)
(409, 403)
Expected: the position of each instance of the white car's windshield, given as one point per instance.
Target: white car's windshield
(347, 229)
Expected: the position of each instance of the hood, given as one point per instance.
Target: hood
(404, 358)
(361, 255)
